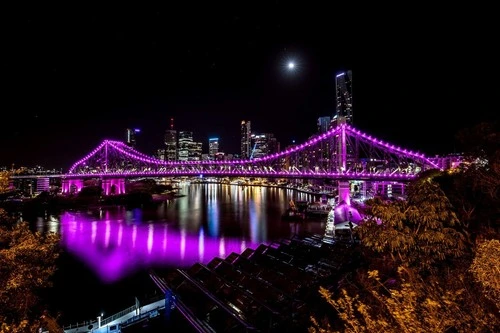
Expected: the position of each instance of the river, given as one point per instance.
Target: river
(107, 251)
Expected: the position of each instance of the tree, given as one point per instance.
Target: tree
(4, 181)
(418, 232)
(27, 262)
(474, 187)
(415, 305)
(428, 278)
(486, 269)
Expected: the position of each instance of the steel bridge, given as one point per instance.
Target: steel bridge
(342, 154)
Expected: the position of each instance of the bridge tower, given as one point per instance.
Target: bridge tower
(112, 186)
(342, 154)
(72, 185)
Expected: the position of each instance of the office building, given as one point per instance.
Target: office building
(188, 149)
(343, 99)
(263, 145)
(131, 138)
(324, 124)
(246, 137)
(185, 142)
(171, 143)
(213, 147)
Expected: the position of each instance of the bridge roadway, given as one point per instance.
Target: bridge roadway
(343, 154)
(348, 175)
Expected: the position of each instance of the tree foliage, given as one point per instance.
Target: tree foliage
(474, 187)
(416, 305)
(27, 262)
(418, 232)
(4, 181)
(436, 276)
(486, 269)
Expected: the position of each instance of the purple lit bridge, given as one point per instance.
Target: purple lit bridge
(343, 154)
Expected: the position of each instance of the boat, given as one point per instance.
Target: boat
(294, 213)
(318, 209)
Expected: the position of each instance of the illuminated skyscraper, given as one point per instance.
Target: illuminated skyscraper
(131, 139)
(213, 147)
(189, 150)
(171, 143)
(263, 145)
(323, 124)
(185, 144)
(246, 137)
(343, 95)
(344, 115)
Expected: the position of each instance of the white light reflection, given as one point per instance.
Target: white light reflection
(165, 239)
(213, 212)
(201, 245)
(53, 224)
(150, 240)
(222, 248)
(134, 236)
(183, 244)
(94, 232)
(107, 234)
(120, 235)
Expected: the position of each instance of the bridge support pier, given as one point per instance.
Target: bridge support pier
(72, 185)
(344, 192)
(112, 186)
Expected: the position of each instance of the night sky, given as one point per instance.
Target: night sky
(76, 74)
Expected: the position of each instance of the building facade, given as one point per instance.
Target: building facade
(131, 138)
(213, 147)
(263, 145)
(171, 143)
(324, 124)
(246, 139)
(343, 99)
(185, 142)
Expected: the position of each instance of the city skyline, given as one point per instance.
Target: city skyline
(76, 80)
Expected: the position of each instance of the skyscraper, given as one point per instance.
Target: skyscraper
(263, 145)
(323, 124)
(185, 143)
(246, 136)
(131, 138)
(213, 147)
(171, 143)
(343, 95)
(344, 115)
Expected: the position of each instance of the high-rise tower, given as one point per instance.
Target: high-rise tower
(213, 147)
(246, 137)
(343, 95)
(131, 137)
(185, 144)
(171, 142)
(323, 124)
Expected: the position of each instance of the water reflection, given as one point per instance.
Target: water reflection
(209, 221)
(114, 249)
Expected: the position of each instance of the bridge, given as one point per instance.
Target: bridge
(342, 154)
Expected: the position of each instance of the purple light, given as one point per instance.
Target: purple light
(114, 250)
(234, 167)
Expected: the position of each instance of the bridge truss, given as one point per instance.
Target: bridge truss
(342, 153)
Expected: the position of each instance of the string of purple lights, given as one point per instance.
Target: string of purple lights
(243, 167)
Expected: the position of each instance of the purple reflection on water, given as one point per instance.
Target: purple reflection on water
(114, 249)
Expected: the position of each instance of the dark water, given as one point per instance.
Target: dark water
(108, 250)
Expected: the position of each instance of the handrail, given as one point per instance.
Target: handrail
(196, 323)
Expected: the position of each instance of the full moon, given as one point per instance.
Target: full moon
(291, 65)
